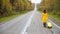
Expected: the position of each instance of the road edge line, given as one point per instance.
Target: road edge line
(55, 24)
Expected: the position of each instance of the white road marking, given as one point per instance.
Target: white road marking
(54, 24)
(25, 32)
(27, 24)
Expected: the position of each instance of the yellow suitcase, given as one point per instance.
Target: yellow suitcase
(49, 25)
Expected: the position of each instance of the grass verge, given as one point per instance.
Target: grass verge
(11, 17)
(55, 17)
(7, 18)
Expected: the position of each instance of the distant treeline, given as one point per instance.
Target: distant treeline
(52, 6)
(10, 7)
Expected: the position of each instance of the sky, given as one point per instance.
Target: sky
(36, 1)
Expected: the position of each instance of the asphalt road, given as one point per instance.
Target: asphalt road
(29, 23)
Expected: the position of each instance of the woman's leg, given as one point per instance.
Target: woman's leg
(44, 24)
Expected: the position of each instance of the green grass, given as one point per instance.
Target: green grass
(7, 18)
(55, 17)
(11, 17)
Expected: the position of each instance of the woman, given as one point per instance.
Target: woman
(44, 18)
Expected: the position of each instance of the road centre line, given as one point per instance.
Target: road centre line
(28, 23)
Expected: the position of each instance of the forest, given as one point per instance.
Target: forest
(11, 7)
(52, 6)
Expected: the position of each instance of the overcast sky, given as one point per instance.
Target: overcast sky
(36, 1)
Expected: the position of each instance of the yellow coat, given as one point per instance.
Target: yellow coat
(44, 17)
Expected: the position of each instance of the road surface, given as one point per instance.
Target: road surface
(29, 23)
